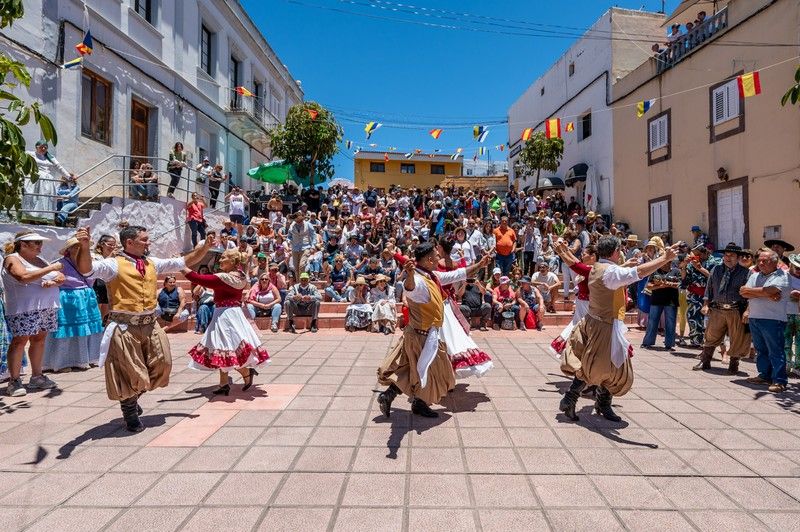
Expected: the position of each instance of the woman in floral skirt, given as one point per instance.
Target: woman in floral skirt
(230, 342)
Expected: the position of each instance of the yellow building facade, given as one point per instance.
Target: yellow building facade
(420, 171)
(703, 154)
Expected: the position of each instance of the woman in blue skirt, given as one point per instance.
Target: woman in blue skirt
(76, 343)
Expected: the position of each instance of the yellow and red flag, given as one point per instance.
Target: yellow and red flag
(570, 127)
(85, 46)
(243, 91)
(436, 133)
(749, 84)
(552, 128)
(526, 133)
(313, 113)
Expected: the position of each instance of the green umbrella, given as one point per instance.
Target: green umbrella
(276, 172)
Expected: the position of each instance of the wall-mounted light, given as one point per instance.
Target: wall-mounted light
(722, 174)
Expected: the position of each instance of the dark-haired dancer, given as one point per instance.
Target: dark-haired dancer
(597, 352)
(135, 350)
(418, 365)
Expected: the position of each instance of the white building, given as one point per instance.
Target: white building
(484, 167)
(577, 89)
(161, 71)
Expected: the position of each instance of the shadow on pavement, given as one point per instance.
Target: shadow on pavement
(115, 429)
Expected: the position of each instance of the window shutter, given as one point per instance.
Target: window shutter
(662, 131)
(658, 133)
(653, 135)
(732, 89)
(719, 105)
(659, 217)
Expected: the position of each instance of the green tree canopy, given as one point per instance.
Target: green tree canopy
(541, 153)
(793, 94)
(308, 140)
(15, 164)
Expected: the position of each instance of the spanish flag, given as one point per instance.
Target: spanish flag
(436, 133)
(313, 113)
(526, 133)
(552, 128)
(78, 61)
(85, 47)
(570, 127)
(749, 84)
(243, 91)
(371, 127)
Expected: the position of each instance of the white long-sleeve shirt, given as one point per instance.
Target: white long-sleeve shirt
(617, 276)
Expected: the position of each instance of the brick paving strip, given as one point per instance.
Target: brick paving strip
(307, 449)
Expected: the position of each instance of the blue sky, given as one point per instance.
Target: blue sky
(421, 76)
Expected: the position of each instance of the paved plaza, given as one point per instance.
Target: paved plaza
(307, 449)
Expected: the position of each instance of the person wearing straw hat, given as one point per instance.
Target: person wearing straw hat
(31, 299)
(384, 311)
(359, 311)
(724, 308)
(597, 352)
(631, 246)
(780, 247)
(76, 343)
(134, 351)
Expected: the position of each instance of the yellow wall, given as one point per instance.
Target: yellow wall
(766, 154)
(421, 178)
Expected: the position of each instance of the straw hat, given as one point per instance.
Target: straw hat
(381, 277)
(633, 239)
(72, 241)
(360, 281)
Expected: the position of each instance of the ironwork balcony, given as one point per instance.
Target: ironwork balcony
(686, 43)
(253, 110)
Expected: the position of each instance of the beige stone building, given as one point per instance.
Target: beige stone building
(703, 155)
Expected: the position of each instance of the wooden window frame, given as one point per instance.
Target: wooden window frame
(206, 49)
(406, 166)
(97, 79)
(713, 136)
(438, 166)
(377, 168)
(582, 118)
(655, 160)
(712, 207)
(668, 199)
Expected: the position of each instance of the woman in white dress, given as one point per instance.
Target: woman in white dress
(39, 198)
(230, 342)
(384, 311)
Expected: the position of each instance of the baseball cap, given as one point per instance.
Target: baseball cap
(261, 256)
(695, 229)
(497, 271)
(304, 275)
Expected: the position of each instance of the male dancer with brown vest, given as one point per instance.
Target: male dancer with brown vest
(418, 365)
(135, 351)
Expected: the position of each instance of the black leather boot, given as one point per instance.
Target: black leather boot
(385, 399)
(705, 359)
(131, 415)
(733, 366)
(420, 408)
(570, 399)
(602, 405)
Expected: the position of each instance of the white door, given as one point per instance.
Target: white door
(730, 216)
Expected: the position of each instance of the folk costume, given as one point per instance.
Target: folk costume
(582, 271)
(229, 342)
(134, 351)
(695, 283)
(597, 352)
(418, 365)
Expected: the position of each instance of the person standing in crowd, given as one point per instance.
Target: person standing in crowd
(175, 166)
(202, 186)
(76, 343)
(780, 247)
(663, 286)
(302, 299)
(768, 295)
(230, 342)
(724, 307)
(237, 207)
(263, 300)
(302, 237)
(700, 238)
(531, 246)
(195, 217)
(39, 198)
(597, 352)
(5, 340)
(204, 303)
(505, 244)
(31, 300)
(792, 333)
(135, 352)
(695, 270)
(462, 248)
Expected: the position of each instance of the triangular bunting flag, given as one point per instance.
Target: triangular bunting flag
(644, 106)
(435, 133)
(313, 113)
(370, 128)
(570, 127)
(243, 91)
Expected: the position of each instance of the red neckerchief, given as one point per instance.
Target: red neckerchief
(141, 264)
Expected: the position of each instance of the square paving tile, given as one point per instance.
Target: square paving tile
(305, 519)
(69, 519)
(374, 489)
(654, 520)
(441, 519)
(180, 489)
(245, 489)
(350, 519)
(630, 492)
(512, 520)
(430, 490)
(552, 490)
(579, 519)
(114, 489)
(221, 518)
(311, 489)
(499, 491)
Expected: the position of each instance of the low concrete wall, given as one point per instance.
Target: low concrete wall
(164, 220)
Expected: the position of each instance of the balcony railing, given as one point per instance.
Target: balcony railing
(258, 113)
(684, 44)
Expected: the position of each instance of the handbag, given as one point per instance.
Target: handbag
(508, 320)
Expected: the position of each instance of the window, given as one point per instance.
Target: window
(541, 92)
(258, 98)
(571, 69)
(407, 168)
(377, 167)
(725, 102)
(234, 74)
(145, 9)
(659, 133)
(205, 50)
(437, 169)
(726, 110)
(660, 215)
(95, 107)
(586, 127)
(274, 102)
